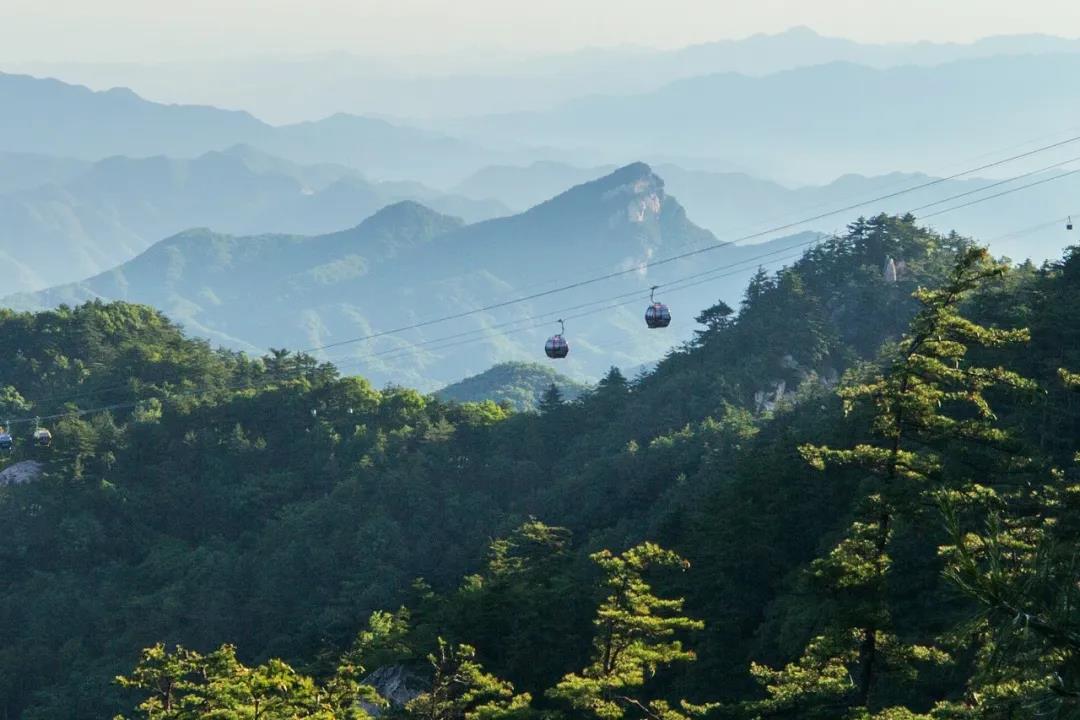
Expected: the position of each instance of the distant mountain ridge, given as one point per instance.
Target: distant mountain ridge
(111, 210)
(19, 170)
(733, 204)
(408, 264)
(287, 89)
(51, 117)
(812, 124)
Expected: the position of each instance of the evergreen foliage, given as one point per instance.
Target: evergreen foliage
(921, 564)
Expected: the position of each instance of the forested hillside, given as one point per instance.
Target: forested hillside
(862, 488)
(518, 385)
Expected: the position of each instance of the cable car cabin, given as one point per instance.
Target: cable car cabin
(1069, 224)
(7, 443)
(42, 438)
(556, 347)
(657, 316)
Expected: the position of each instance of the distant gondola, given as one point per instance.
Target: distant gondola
(1068, 223)
(7, 443)
(657, 314)
(556, 347)
(42, 437)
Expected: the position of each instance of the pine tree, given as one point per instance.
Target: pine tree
(928, 405)
(716, 319)
(551, 400)
(635, 637)
(1017, 557)
(462, 690)
(186, 685)
(610, 395)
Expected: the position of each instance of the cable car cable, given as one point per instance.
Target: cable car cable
(718, 245)
(247, 385)
(1001, 194)
(682, 256)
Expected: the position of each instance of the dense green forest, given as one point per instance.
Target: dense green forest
(851, 498)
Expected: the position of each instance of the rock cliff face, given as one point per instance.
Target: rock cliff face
(397, 684)
(21, 472)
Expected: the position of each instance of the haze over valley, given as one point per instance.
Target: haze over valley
(118, 185)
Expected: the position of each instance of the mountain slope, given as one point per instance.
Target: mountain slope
(51, 117)
(19, 171)
(285, 89)
(219, 508)
(117, 207)
(274, 291)
(815, 123)
(517, 384)
(521, 187)
(734, 204)
(213, 282)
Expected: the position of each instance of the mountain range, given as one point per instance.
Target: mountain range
(408, 265)
(50, 117)
(799, 126)
(1026, 224)
(810, 125)
(100, 215)
(290, 89)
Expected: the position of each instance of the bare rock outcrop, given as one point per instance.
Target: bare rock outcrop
(21, 472)
(397, 684)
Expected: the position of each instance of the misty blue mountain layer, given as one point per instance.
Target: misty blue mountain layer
(815, 123)
(99, 215)
(285, 89)
(408, 264)
(55, 118)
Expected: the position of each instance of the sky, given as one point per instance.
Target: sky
(167, 30)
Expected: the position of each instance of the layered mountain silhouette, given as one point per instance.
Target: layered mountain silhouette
(19, 171)
(111, 210)
(408, 265)
(1023, 224)
(815, 123)
(51, 117)
(285, 89)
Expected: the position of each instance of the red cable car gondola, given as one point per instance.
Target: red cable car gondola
(556, 347)
(657, 314)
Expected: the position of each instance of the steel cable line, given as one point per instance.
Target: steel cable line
(296, 373)
(1030, 229)
(637, 293)
(709, 248)
(808, 207)
(402, 352)
(996, 184)
(683, 256)
(408, 350)
(405, 351)
(547, 314)
(637, 296)
(1001, 194)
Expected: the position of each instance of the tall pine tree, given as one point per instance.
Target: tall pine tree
(929, 405)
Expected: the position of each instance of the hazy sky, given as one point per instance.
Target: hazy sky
(156, 30)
